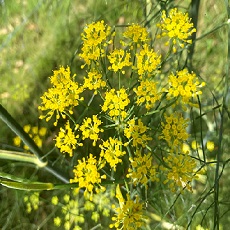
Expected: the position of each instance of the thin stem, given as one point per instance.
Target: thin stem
(212, 31)
(23, 157)
(194, 15)
(201, 130)
(217, 177)
(18, 130)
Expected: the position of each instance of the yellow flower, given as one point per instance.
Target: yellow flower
(90, 129)
(119, 59)
(66, 140)
(95, 39)
(38, 140)
(17, 141)
(147, 61)
(54, 200)
(142, 169)
(27, 128)
(62, 97)
(34, 130)
(57, 221)
(136, 33)
(177, 26)
(129, 216)
(115, 103)
(137, 132)
(147, 93)
(87, 176)
(185, 86)
(94, 81)
(42, 131)
(210, 145)
(66, 198)
(174, 131)
(111, 151)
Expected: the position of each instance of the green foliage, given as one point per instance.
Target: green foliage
(42, 36)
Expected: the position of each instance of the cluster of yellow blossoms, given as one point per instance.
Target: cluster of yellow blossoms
(137, 133)
(94, 41)
(66, 140)
(62, 97)
(185, 86)
(90, 128)
(129, 214)
(177, 27)
(115, 102)
(94, 81)
(70, 210)
(87, 175)
(121, 129)
(35, 132)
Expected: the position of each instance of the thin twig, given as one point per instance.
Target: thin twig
(216, 186)
(18, 130)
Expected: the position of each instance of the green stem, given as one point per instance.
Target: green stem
(18, 130)
(20, 156)
(201, 130)
(12, 177)
(212, 31)
(31, 186)
(219, 154)
(194, 15)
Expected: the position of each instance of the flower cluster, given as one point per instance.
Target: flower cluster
(147, 94)
(129, 214)
(180, 171)
(147, 62)
(90, 128)
(100, 204)
(36, 133)
(94, 81)
(118, 59)
(177, 26)
(73, 211)
(136, 34)
(116, 103)
(184, 85)
(31, 201)
(131, 102)
(95, 38)
(111, 151)
(67, 140)
(142, 169)
(62, 97)
(70, 210)
(87, 175)
(137, 132)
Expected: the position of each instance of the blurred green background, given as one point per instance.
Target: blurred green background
(37, 36)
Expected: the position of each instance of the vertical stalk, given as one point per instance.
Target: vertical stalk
(18, 130)
(224, 105)
(195, 4)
